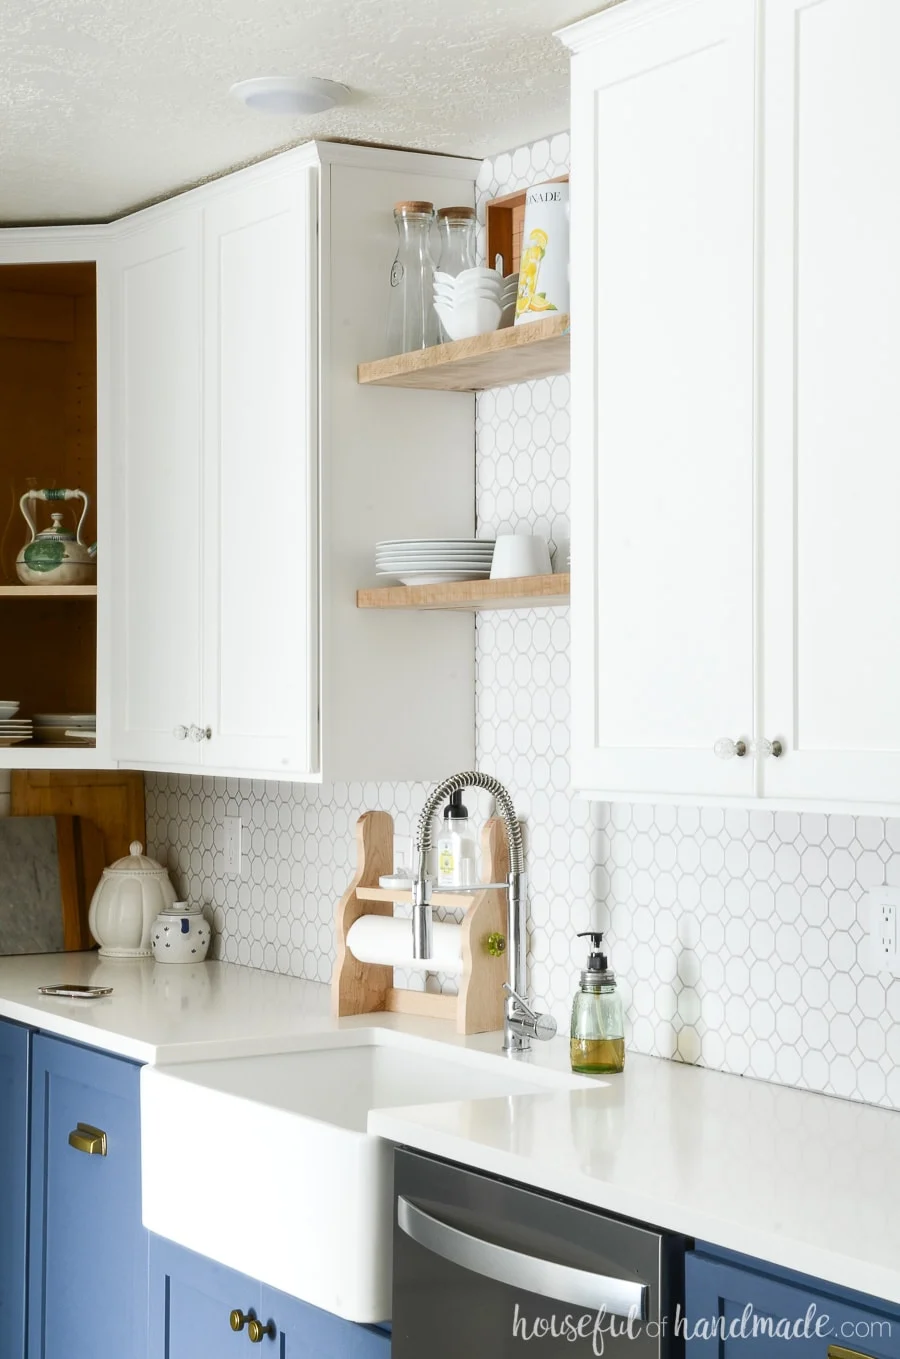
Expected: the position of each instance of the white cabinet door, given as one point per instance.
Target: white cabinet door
(157, 489)
(663, 465)
(831, 546)
(260, 507)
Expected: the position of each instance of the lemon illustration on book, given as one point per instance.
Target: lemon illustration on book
(528, 298)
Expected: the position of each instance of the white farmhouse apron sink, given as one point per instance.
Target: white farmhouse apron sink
(264, 1163)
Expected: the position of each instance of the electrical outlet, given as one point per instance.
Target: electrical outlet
(403, 850)
(881, 908)
(231, 837)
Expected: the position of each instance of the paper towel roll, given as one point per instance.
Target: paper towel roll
(388, 941)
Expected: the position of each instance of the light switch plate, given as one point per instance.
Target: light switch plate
(881, 914)
(231, 845)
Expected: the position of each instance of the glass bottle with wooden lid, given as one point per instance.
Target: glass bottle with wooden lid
(456, 229)
(412, 320)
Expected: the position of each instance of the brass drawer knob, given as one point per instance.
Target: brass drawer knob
(256, 1330)
(90, 1140)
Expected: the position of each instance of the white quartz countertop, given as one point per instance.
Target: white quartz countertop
(163, 1013)
(798, 1179)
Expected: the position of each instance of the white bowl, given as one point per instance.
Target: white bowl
(478, 317)
(470, 280)
(8, 709)
(452, 303)
(468, 284)
(478, 272)
(464, 298)
(464, 289)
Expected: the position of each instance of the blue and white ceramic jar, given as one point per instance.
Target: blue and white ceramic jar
(180, 934)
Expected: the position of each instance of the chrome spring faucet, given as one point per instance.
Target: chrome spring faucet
(521, 1022)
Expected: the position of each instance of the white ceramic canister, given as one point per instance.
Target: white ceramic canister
(544, 266)
(180, 934)
(129, 896)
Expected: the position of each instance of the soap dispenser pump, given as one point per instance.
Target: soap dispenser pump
(597, 1041)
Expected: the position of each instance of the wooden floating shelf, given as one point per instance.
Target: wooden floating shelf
(48, 592)
(518, 592)
(457, 901)
(516, 354)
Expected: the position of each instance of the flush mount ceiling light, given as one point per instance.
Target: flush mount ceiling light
(290, 96)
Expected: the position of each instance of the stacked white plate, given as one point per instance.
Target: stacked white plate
(13, 729)
(431, 561)
(65, 729)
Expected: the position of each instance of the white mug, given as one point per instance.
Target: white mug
(520, 554)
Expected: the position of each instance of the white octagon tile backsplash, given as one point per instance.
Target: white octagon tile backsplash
(735, 934)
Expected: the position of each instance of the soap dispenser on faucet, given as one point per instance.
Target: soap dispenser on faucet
(521, 1022)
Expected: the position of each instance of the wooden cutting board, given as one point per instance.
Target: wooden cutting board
(49, 867)
(112, 799)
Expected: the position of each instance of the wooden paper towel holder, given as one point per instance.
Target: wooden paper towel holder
(368, 988)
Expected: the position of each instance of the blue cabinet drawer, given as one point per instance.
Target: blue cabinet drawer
(88, 1248)
(736, 1308)
(15, 1042)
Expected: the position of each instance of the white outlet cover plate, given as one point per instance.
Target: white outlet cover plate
(231, 845)
(880, 917)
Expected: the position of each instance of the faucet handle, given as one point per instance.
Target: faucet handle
(537, 1025)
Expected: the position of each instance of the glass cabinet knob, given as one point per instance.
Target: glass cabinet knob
(726, 749)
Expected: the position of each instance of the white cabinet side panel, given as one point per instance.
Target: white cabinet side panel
(398, 694)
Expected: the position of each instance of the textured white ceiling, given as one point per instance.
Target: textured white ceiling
(108, 104)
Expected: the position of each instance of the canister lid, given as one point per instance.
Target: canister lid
(467, 213)
(136, 861)
(413, 206)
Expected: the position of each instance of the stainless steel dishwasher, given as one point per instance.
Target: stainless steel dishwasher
(486, 1269)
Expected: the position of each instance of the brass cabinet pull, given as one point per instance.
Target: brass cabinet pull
(90, 1140)
(238, 1319)
(839, 1352)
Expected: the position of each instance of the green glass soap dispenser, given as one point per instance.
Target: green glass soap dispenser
(597, 1042)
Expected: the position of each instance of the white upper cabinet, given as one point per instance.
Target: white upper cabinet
(254, 476)
(831, 546)
(260, 681)
(736, 341)
(157, 487)
(663, 465)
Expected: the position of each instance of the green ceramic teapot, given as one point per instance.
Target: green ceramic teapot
(56, 556)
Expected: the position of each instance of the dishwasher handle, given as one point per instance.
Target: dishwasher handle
(564, 1283)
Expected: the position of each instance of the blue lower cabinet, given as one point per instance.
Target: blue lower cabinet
(88, 1249)
(740, 1308)
(15, 1044)
(306, 1332)
(191, 1304)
